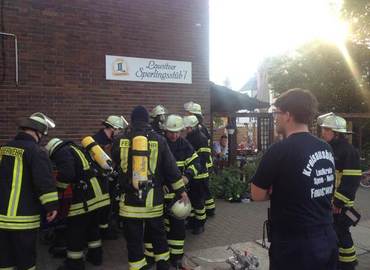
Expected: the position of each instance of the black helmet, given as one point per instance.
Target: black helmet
(38, 122)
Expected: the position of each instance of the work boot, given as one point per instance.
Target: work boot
(198, 230)
(176, 262)
(109, 234)
(150, 261)
(163, 265)
(95, 256)
(67, 265)
(210, 212)
(58, 251)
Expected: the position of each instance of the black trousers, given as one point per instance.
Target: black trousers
(83, 231)
(347, 252)
(133, 229)
(18, 249)
(316, 249)
(175, 230)
(197, 193)
(105, 213)
(175, 237)
(209, 200)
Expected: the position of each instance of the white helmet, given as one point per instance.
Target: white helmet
(334, 122)
(52, 145)
(158, 110)
(174, 123)
(190, 121)
(180, 210)
(38, 121)
(193, 107)
(115, 121)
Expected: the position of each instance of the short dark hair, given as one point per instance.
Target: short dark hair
(300, 103)
(223, 137)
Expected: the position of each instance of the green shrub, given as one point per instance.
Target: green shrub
(228, 184)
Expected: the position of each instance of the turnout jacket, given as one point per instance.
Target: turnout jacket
(187, 160)
(200, 143)
(347, 165)
(162, 170)
(75, 168)
(204, 130)
(26, 183)
(156, 127)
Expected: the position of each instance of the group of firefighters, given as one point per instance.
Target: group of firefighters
(145, 172)
(152, 173)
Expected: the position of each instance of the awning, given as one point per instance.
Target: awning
(225, 100)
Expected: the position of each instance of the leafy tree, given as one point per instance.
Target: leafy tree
(323, 69)
(357, 12)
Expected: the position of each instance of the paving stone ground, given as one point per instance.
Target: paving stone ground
(233, 223)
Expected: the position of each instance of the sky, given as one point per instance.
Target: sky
(244, 32)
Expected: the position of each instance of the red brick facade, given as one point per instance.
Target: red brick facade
(62, 48)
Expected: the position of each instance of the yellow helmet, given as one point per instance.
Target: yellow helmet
(193, 107)
(52, 145)
(334, 122)
(190, 121)
(180, 210)
(115, 121)
(158, 110)
(39, 122)
(174, 123)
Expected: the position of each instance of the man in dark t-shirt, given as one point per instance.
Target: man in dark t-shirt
(298, 175)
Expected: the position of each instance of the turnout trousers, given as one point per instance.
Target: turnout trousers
(209, 200)
(18, 249)
(155, 235)
(347, 252)
(197, 193)
(175, 230)
(314, 249)
(83, 231)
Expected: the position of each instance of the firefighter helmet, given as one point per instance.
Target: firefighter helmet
(180, 210)
(174, 123)
(52, 145)
(115, 121)
(158, 110)
(38, 122)
(334, 122)
(192, 107)
(190, 121)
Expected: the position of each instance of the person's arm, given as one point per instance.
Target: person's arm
(172, 174)
(344, 196)
(64, 162)
(43, 182)
(265, 175)
(259, 194)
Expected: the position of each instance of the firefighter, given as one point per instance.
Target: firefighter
(192, 108)
(26, 184)
(347, 165)
(113, 125)
(188, 163)
(146, 164)
(198, 187)
(158, 118)
(297, 175)
(76, 168)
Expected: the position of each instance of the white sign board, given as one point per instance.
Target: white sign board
(124, 68)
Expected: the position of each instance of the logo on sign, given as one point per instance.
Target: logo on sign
(120, 67)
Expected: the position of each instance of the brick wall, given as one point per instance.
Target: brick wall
(62, 48)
